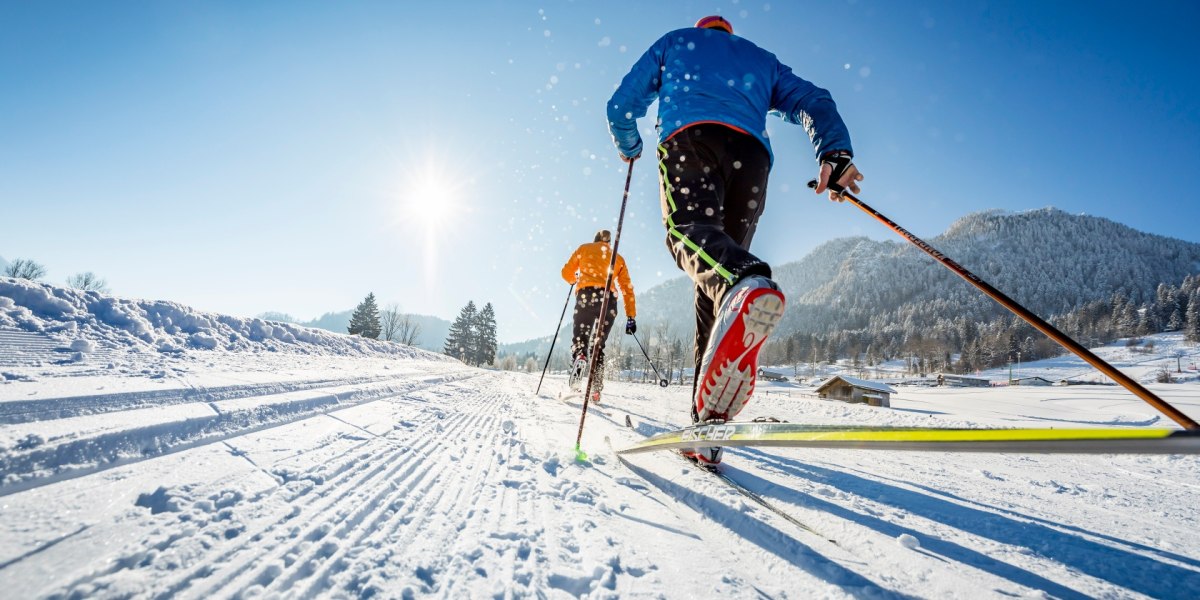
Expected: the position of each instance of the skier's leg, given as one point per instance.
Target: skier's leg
(693, 188)
(581, 328)
(753, 305)
(605, 330)
(704, 321)
(713, 193)
(587, 311)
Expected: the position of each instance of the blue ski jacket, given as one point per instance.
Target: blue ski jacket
(709, 76)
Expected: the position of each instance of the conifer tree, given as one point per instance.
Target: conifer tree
(1191, 327)
(485, 336)
(365, 319)
(459, 341)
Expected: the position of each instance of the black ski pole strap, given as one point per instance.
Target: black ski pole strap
(839, 161)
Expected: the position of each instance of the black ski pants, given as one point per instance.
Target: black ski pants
(588, 301)
(713, 188)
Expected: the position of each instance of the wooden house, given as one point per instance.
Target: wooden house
(852, 389)
(952, 380)
(1039, 381)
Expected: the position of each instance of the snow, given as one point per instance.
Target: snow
(257, 458)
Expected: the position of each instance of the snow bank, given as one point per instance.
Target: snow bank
(84, 320)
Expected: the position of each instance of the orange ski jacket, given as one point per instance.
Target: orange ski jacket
(588, 267)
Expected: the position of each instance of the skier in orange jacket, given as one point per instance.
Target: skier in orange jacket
(588, 269)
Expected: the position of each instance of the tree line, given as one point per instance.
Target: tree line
(959, 344)
(962, 344)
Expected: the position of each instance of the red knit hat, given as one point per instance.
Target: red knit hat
(715, 22)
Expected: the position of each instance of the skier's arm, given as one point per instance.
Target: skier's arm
(626, 288)
(629, 103)
(799, 101)
(803, 103)
(571, 269)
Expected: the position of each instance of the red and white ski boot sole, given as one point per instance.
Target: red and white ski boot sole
(729, 380)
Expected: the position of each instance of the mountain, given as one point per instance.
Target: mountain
(432, 336)
(1049, 261)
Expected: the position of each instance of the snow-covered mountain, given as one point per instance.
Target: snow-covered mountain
(148, 450)
(1049, 261)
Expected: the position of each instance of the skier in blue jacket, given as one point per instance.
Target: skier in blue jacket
(714, 91)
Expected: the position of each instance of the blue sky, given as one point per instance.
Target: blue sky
(294, 156)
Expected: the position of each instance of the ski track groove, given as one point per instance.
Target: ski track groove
(379, 495)
(194, 437)
(404, 531)
(320, 499)
(367, 491)
(436, 522)
(25, 411)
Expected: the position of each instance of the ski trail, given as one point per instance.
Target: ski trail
(394, 485)
(487, 490)
(83, 446)
(241, 538)
(417, 509)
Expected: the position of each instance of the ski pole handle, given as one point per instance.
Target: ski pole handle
(832, 185)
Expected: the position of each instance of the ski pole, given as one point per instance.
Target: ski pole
(661, 382)
(597, 337)
(1037, 322)
(555, 340)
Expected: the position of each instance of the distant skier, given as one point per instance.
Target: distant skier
(588, 268)
(714, 91)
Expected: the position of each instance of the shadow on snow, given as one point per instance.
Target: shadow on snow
(1136, 572)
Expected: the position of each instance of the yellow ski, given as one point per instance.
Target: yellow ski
(1065, 441)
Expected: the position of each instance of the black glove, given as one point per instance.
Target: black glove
(630, 326)
(839, 160)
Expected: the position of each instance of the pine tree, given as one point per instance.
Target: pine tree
(1175, 322)
(1191, 327)
(365, 319)
(459, 342)
(485, 336)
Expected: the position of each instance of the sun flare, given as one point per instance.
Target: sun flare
(430, 201)
(429, 206)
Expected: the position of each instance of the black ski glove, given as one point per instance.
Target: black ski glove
(630, 326)
(840, 160)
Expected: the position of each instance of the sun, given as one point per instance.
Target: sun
(431, 201)
(429, 209)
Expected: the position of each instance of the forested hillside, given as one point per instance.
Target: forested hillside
(1095, 278)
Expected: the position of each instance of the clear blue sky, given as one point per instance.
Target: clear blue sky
(244, 157)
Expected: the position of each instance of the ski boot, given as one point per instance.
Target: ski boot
(578, 374)
(708, 457)
(749, 313)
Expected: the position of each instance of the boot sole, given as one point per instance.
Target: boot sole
(730, 378)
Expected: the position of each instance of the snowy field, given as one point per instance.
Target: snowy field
(149, 450)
